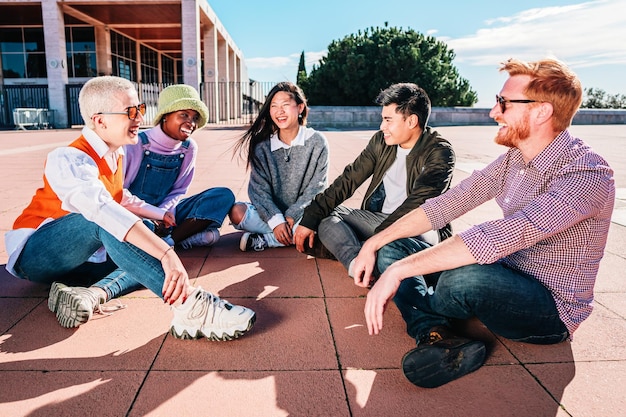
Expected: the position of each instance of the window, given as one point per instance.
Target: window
(123, 56)
(149, 65)
(23, 53)
(81, 52)
(167, 70)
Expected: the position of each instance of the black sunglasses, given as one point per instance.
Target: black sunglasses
(502, 101)
(132, 112)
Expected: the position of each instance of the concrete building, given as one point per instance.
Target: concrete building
(49, 48)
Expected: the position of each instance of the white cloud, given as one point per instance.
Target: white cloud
(286, 66)
(584, 35)
(311, 58)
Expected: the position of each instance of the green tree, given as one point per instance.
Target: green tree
(301, 76)
(596, 98)
(360, 65)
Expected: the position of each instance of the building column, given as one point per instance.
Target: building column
(56, 60)
(222, 60)
(211, 90)
(190, 36)
(235, 105)
(102, 36)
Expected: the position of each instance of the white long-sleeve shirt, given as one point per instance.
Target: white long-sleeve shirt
(73, 176)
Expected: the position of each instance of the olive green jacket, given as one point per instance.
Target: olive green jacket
(429, 164)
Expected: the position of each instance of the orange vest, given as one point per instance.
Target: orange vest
(46, 204)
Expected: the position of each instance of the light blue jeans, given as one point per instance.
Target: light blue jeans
(345, 229)
(59, 250)
(253, 223)
(511, 304)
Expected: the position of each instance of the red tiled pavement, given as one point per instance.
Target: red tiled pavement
(309, 353)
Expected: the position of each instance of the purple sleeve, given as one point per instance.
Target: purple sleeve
(132, 161)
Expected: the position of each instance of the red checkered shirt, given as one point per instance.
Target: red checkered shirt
(557, 212)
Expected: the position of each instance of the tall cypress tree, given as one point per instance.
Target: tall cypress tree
(301, 70)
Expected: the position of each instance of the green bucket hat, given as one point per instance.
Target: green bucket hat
(181, 97)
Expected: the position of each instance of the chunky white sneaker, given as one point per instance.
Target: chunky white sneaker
(252, 241)
(74, 306)
(206, 315)
(206, 238)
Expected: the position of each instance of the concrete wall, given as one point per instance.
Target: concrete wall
(369, 117)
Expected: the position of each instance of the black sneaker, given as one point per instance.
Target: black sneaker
(442, 357)
(252, 241)
(318, 250)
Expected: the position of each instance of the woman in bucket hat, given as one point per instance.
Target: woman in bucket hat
(160, 167)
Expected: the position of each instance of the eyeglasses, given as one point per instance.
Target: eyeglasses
(132, 112)
(502, 101)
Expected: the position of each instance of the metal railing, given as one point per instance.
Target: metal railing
(229, 103)
(20, 96)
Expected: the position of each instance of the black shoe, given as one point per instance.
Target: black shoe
(442, 357)
(318, 250)
(252, 241)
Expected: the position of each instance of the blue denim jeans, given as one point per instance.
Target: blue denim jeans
(511, 304)
(253, 223)
(212, 204)
(345, 229)
(59, 250)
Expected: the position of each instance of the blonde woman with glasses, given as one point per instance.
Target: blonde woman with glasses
(81, 227)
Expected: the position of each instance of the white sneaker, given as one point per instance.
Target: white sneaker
(206, 238)
(206, 315)
(254, 241)
(74, 306)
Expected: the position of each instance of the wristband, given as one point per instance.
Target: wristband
(165, 253)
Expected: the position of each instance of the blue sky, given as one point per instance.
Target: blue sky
(590, 36)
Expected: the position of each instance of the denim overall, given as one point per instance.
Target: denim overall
(157, 173)
(155, 179)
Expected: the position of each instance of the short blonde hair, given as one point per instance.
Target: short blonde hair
(99, 95)
(552, 82)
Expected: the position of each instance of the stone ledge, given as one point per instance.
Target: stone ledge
(369, 117)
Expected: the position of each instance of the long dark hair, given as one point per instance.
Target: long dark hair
(264, 127)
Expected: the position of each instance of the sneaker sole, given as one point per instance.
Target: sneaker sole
(53, 297)
(243, 242)
(66, 307)
(225, 336)
(433, 366)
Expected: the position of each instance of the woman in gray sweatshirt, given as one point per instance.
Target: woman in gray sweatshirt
(288, 165)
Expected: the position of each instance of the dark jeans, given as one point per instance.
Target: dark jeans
(345, 229)
(511, 304)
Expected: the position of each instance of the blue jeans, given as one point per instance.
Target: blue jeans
(212, 204)
(59, 250)
(253, 223)
(345, 229)
(511, 304)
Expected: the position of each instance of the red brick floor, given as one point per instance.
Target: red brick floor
(309, 353)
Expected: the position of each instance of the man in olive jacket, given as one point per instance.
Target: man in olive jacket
(407, 163)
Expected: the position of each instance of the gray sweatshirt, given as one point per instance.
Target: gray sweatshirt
(287, 178)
